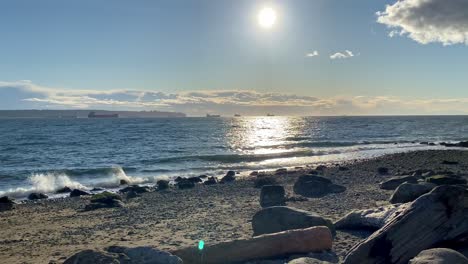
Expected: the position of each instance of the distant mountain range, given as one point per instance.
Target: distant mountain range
(86, 114)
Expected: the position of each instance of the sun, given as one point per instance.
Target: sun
(267, 17)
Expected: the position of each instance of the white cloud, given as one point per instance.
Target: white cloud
(345, 55)
(426, 21)
(313, 54)
(27, 95)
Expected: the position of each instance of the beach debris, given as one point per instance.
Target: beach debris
(37, 196)
(446, 179)
(64, 190)
(6, 204)
(408, 192)
(230, 177)
(162, 184)
(185, 184)
(261, 181)
(371, 219)
(272, 195)
(77, 193)
(281, 218)
(438, 216)
(314, 239)
(119, 255)
(394, 182)
(104, 200)
(211, 181)
(316, 186)
(382, 170)
(135, 188)
(439, 256)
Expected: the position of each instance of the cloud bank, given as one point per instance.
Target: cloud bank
(426, 21)
(345, 55)
(27, 95)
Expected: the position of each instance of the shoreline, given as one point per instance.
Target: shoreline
(49, 231)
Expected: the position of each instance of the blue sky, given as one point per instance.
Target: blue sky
(180, 46)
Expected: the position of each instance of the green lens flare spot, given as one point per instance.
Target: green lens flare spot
(201, 244)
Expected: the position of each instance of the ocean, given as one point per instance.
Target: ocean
(43, 155)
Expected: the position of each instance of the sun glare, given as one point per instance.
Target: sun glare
(267, 17)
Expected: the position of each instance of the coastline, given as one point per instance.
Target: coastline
(49, 231)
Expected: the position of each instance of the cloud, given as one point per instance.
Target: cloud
(345, 55)
(27, 95)
(312, 54)
(426, 21)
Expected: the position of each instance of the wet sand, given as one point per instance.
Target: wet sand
(49, 231)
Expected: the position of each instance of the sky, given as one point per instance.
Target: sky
(321, 57)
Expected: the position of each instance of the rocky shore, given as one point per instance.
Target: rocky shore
(372, 209)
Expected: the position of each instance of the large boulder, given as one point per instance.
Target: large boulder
(408, 192)
(394, 182)
(301, 241)
(6, 204)
(162, 184)
(314, 186)
(121, 255)
(185, 184)
(230, 177)
(64, 190)
(78, 193)
(435, 217)
(439, 256)
(446, 180)
(371, 219)
(195, 179)
(281, 218)
(104, 200)
(37, 196)
(272, 195)
(136, 189)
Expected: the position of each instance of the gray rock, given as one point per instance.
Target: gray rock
(441, 215)
(439, 256)
(77, 193)
(91, 256)
(6, 204)
(185, 184)
(316, 186)
(37, 196)
(281, 218)
(136, 189)
(272, 195)
(211, 181)
(371, 219)
(162, 184)
(408, 192)
(230, 177)
(64, 190)
(105, 200)
(394, 182)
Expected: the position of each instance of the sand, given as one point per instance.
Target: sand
(49, 231)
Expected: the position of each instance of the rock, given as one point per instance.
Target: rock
(439, 256)
(312, 239)
(178, 179)
(121, 255)
(230, 177)
(445, 180)
(77, 193)
(408, 192)
(316, 186)
(371, 219)
(382, 170)
(281, 218)
(211, 181)
(146, 255)
(123, 182)
(306, 260)
(132, 194)
(97, 189)
(281, 171)
(185, 184)
(37, 196)
(203, 176)
(272, 195)
(394, 182)
(136, 189)
(259, 182)
(162, 184)
(254, 173)
(434, 217)
(91, 256)
(6, 204)
(104, 200)
(64, 190)
(195, 179)
(463, 144)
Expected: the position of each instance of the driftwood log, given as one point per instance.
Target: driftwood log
(436, 217)
(311, 239)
